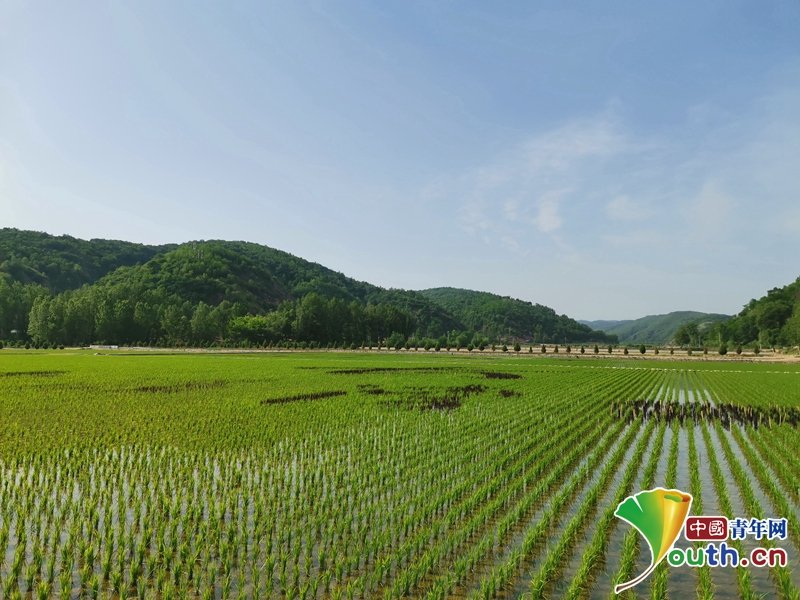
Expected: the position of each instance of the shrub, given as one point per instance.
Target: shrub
(655, 350)
(517, 347)
(544, 349)
(504, 348)
(723, 349)
(625, 351)
(583, 350)
(596, 349)
(530, 349)
(569, 349)
(610, 349)
(555, 349)
(642, 349)
(470, 347)
(739, 349)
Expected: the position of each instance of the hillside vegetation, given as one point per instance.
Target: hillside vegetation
(63, 262)
(501, 316)
(237, 292)
(656, 329)
(772, 320)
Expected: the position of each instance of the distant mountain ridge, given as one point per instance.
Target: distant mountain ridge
(499, 316)
(61, 289)
(655, 329)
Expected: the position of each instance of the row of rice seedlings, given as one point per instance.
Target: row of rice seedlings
(751, 504)
(720, 486)
(595, 551)
(786, 466)
(763, 475)
(516, 482)
(500, 576)
(631, 543)
(764, 398)
(705, 586)
(503, 529)
(764, 464)
(551, 565)
(658, 588)
(492, 477)
(556, 465)
(287, 550)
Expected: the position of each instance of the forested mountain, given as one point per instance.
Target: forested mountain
(772, 320)
(603, 325)
(656, 329)
(63, 262)
(501, 316)
(234, 292)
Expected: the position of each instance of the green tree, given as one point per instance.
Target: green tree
(396, 340)
(203, 326)
(687, 334)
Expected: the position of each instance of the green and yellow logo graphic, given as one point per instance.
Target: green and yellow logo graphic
(657, 514)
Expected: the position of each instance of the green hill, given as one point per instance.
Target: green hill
(63, 262)
(503, 317)
(772, 320)
(74, 291)
(657, 329)
(602, 325)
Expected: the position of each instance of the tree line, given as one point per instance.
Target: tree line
(120, 315)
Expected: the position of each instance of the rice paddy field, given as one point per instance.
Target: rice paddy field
(365, 475)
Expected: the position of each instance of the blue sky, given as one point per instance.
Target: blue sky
(610, 160)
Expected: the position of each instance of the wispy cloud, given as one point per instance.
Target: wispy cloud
(530, 187)
(688, 203)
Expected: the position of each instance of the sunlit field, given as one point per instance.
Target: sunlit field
(366, 475)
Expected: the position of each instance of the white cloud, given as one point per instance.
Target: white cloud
(533, 183)
(547, 218)
(711, 208)
(560, 148)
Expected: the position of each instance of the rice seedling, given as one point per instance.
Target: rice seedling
(356, 476)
